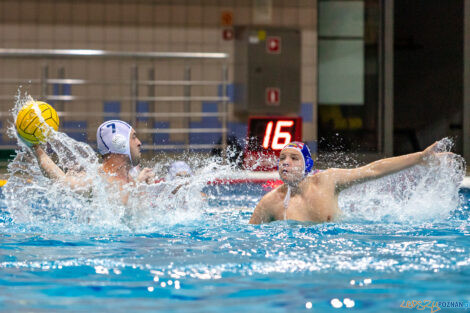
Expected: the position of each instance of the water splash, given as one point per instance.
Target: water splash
(36, 202)
(420, 193)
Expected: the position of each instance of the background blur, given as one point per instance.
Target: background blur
(374, 77)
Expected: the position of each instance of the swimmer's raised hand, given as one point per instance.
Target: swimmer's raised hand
(431, 150)
(432, 155)
(146, 175)
(428, 154)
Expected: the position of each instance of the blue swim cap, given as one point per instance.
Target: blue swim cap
(305, 151)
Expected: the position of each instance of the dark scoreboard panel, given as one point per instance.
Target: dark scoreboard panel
(266, 137)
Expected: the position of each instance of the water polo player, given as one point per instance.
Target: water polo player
(307, 196)
(118, 144)
(120, 148)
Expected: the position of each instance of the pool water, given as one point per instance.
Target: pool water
(217, 262)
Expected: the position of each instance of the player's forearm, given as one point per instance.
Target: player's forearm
(395, 164)
(49, 168)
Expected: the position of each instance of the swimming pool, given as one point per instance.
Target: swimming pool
(215, 261)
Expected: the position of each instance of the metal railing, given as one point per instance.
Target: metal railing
(43, 57)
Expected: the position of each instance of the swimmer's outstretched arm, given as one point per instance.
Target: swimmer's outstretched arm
(343, 178)
(51, 170)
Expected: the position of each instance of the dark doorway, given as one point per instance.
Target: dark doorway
(428, 73)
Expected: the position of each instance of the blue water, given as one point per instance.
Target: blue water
(216, 262)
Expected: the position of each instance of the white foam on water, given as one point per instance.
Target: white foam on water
(35, 201)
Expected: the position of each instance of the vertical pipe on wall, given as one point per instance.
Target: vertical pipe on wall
(134, 93)
(466, 82)
(380, 78)
(315, 87)
(187, 103)
(225, 111)
(60, 106)
(388, 11)
(44, 77)
(151, 94)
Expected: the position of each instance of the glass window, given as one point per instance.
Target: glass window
(348, 75)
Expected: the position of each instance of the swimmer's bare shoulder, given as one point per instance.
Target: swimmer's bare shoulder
(322, 181)
(268, 205)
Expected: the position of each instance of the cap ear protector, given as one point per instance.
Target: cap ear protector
(118, 143)
(308, 165)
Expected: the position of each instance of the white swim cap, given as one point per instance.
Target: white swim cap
(113, 137)
(178, 167)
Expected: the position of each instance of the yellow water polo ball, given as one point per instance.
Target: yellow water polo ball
(32, 128)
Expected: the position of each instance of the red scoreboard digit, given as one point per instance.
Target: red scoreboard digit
(266, 137)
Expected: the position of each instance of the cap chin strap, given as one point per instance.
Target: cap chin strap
(288, 195)
(286, 201)
(129, 150)
(128, 146)
(304, 173)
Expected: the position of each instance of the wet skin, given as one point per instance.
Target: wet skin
(315, 198)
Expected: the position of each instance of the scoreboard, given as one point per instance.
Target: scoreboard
(266, 137)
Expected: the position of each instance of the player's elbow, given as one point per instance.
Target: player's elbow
(255, 218)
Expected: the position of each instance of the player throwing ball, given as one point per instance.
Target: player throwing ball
(120, 148)
(117, 143)
(313, 197)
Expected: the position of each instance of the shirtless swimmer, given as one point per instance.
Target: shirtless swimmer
(314, 198)
(120, 148)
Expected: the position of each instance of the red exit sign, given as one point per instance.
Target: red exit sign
(266, 137)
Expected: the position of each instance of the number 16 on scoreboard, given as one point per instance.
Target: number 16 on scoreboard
(266, 137)
(280, 137)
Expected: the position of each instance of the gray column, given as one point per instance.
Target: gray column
(388, 77)
(134, 93)
(466, 83)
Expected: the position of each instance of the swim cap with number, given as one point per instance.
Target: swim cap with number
(113, 137)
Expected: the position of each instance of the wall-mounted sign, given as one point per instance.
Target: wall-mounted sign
(273, 44)
(273, 96)
(227, 34)
(226, 18)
